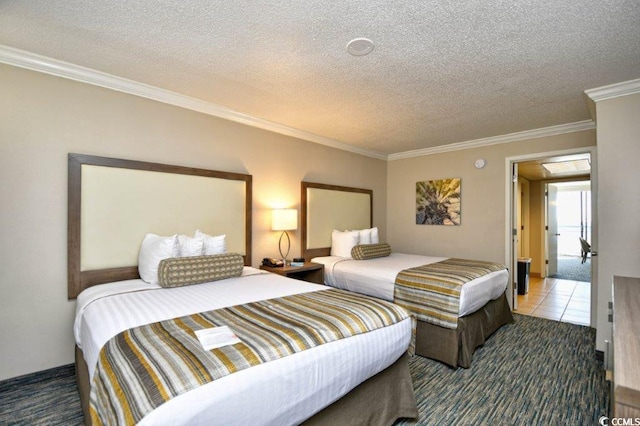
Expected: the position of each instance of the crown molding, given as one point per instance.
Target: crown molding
(23, 59)
(616, 90)
(495, 140)
(31, 61)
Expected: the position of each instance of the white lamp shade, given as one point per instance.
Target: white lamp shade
(284, 219)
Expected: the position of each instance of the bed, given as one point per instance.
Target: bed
(335, 382)
(483, 304)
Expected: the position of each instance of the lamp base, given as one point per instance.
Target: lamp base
(284, 256)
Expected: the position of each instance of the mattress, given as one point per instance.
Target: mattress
(319, 376)
(376, 277)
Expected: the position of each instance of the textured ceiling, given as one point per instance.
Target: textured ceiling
(441, 72)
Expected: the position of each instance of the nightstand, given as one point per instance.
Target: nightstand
(310, 272)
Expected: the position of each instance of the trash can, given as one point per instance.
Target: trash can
(524, 265)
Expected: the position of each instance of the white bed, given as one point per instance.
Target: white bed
(484, 308)
(319, 376)
(376, 277)
(331, 383)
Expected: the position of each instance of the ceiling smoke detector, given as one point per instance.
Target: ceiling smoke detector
(360, 46)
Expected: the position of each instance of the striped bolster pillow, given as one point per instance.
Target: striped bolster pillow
(370, 251)
(181, 271)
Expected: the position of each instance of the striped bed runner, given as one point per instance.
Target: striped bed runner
(143, 367)
(432, 292)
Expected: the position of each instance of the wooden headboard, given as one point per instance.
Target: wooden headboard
(113, 203)
(329, 207)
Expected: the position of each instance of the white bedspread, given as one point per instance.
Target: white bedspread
(376, 277)
(281, 392)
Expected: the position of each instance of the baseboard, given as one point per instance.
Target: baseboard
(38, 376)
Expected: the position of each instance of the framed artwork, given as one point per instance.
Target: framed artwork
(438, 202)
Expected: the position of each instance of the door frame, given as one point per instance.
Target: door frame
(509, 215)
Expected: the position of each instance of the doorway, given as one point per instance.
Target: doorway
(540, 186)
(568, 236)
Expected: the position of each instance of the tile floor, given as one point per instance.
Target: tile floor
(560, 300)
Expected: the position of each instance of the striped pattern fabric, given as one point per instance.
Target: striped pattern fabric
(512, 382)
(432, 292)
(179, 271)
(370, 251)
(143, 367)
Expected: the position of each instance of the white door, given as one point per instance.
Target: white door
(552, 230)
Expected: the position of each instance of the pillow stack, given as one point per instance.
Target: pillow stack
(343, 242)
(155, 248)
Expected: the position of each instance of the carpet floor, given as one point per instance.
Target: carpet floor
(572, 268)
(532, 372)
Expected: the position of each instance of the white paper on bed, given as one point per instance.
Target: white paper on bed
(319, 376)
(376, 277)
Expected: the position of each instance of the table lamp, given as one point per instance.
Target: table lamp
(284, 220)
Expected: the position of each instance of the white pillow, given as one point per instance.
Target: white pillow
(153, 249)
(190, 246)
(343, 242)
(212, 244)
(365, 236)
(375, 239)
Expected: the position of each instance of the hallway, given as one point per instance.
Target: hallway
(556, 299)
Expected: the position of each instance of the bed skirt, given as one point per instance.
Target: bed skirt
(455, 347)
(380, 400)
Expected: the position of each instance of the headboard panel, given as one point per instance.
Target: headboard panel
(113, 203)
(329, 207)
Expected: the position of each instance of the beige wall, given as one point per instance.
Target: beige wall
(42, 118)
(618, 246)
(482, 231)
